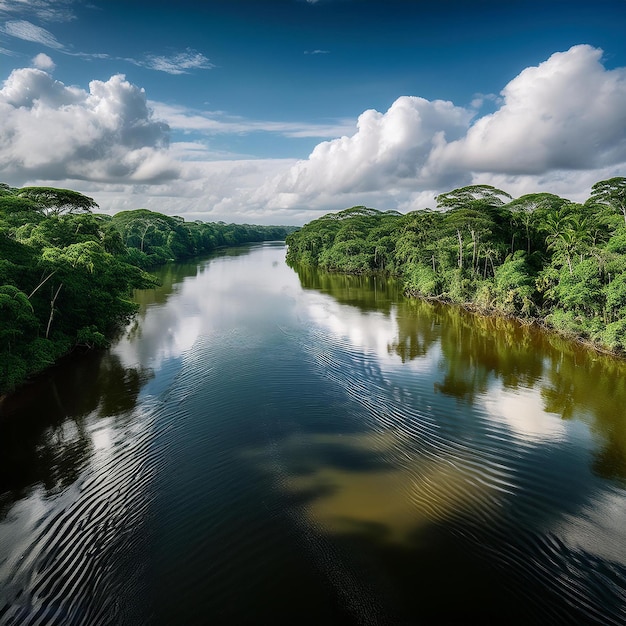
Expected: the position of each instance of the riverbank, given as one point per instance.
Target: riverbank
(535, 258)
(67, 274)
(543, 324)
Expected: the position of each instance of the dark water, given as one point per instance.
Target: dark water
(271, 447)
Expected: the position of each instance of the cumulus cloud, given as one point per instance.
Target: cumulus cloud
(204, 190)
(567, 113)
(557, 127)
(388, 151)
(43, 62)
(559, 123)
(52, 131)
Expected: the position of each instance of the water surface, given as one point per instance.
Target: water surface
(266, 445)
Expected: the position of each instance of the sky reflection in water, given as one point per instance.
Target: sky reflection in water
(385, 429)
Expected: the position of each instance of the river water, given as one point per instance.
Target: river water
(272, 446)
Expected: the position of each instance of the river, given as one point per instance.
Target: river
(272, 446)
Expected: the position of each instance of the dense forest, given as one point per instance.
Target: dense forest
(540, 257)
(67, 273)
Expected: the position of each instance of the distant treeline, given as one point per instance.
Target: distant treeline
(539, 257)
(67, 273)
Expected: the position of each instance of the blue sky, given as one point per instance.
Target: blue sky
(276, 111)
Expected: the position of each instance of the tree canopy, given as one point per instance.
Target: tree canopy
(539, 256)
(67, 274)
(611, 192)
(55, 201)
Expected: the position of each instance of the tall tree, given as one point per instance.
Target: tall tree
(55, 201)
(529, 209)
(612, 192)
(467, 197)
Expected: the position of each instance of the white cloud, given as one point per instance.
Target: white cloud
(22, 29)
(52, 131)
(560, 127)
(557, 127)
(217, 122)
(575, 185)
(479, 99)
(568, 113)
(204, 190)
(389, 151)
(179, 63)
(43, 62)
(176, 63)
(45, 10)
(26, 88)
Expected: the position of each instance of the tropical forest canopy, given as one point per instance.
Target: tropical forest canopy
(67, 273)
(539, 257)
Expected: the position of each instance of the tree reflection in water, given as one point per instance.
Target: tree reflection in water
(52, 441)
(574, 381)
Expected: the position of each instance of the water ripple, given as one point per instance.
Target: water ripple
(69, 573)
(468, 469)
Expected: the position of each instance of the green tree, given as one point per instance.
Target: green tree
(478, 211)
(55, 201)
(466, 197)
(611, 192)
(17, 319)
(528, 210)
(16, 211)
(417, 236)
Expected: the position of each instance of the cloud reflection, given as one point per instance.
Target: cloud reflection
(522, 410)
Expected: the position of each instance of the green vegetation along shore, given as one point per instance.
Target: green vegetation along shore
(67, 273)
(540, 257)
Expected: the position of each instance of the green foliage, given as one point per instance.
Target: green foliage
(349, 256)
(90, 337)
(422, 280)
(17, 319)
(538, 256)
(459, 287)
(611, 192)
(15, 210)
(135, 257)
(514, 287)
(472, 196)
(615, 297)
(67, 274)
(529, 211)
(161, 238)
(14, 251)
(613, 336)
(580, 289)
(356, 240)
(576, 325)
(617, 242)
(55, 201)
